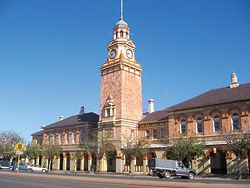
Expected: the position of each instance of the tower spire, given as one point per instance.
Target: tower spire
(121, 16)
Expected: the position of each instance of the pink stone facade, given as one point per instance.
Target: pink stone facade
(125, 89)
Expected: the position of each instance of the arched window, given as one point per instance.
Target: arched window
(147, 134)
(74, 136)
(53, 138)
(61, 137)
(48, 137)
(199, 124)
(67, 137)
(217, 124)
(155, 135)
(235, 122)
(183, 127)
(81, 136)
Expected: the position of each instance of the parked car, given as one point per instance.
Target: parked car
(22, 167)
(4, 165)
(38, 168)
(167, 168)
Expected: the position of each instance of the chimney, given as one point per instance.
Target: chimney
(61, 118)
(150, 105)
(234, 80)
(82, 110)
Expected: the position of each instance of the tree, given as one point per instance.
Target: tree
(8, 141)
(76, 155)
(99, 146)
(134, 148)
(32, 151)
(49, 151)
(185, 150)
(239, 144)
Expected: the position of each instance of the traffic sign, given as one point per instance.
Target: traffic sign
(19, 152)
(19, 146)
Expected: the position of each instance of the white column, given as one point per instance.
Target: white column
(89, 162)
(119, 162)
(132, 166)
(82, 162)
(145, 162)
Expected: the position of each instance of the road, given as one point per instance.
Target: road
(32, 180)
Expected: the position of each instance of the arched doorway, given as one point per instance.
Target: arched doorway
(78, 164)
(248, 154)
(93, 165)
(151, 155)
(111, 161)
(68, 161)
(61, 161)
(139, 160)
(40, 160)
(86, 159)
(218, 162)
(50, 162)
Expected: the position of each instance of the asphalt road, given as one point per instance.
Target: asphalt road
(7, 181)
(33, 180)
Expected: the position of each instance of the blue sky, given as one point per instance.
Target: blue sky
(51, 52)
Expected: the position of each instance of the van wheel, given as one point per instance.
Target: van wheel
(160, 175)
(191, 176)
(167, 174)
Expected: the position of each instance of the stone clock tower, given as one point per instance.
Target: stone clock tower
(121, 90)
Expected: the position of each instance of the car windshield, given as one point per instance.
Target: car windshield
(180, 165)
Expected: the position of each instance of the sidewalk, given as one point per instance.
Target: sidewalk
(134, 181)
(139, 175)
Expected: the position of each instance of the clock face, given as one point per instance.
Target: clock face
(112, 53)
(129, 53)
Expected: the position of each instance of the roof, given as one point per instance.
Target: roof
(216, 96)
(155, 117)
(75, 120)
(121, 22)
(39, 133)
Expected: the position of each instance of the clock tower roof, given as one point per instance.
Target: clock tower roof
(121, 22)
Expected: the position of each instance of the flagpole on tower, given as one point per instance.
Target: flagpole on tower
(121, 10)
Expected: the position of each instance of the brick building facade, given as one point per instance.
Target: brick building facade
(207, 118)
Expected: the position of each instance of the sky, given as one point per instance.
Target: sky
(51, 53)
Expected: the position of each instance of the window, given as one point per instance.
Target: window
(147, 134)
(48, 137)
(53, 138)
(107, 112)
(235, 122)
(81, 136)
(199, 124)
(109, 133)
(217, 124)
(67, 137)
(109, 108)
(162, 133)
(183, 127)
(60, 137)
(74, 136)
(155, 136)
